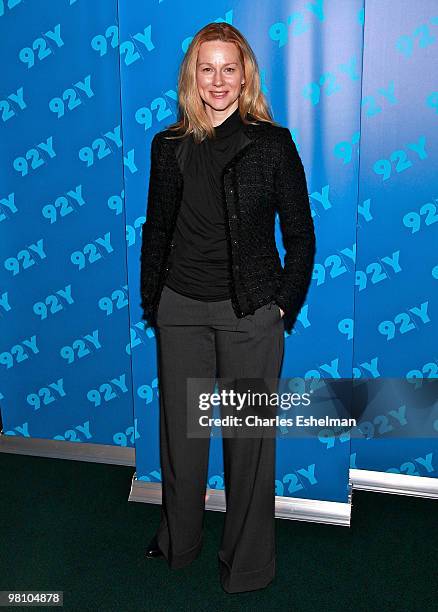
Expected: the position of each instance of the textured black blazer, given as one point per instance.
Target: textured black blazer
(265, 175)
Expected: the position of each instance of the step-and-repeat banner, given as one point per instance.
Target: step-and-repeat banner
(85, 86)
(396, 283)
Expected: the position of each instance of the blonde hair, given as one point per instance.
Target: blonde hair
(192, 116)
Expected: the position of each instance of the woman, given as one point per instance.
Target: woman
(213, 286)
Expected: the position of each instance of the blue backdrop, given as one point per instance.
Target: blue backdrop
(85, 86)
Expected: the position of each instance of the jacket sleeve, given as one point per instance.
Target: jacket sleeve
(153, 230)
(297, 229)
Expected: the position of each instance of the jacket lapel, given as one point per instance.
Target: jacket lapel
(250, 134)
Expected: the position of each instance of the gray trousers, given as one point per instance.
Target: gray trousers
(207, 340)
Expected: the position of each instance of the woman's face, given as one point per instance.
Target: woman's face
(219, 70)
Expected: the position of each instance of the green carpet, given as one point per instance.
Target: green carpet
(67, 525)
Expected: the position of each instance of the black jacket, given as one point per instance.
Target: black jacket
(265, 175)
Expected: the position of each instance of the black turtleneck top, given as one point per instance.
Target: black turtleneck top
(200, 258)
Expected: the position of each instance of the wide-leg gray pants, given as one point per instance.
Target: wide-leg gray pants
(207, 340)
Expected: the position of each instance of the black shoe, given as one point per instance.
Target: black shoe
(152, 550)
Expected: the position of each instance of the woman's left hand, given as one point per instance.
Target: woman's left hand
(281, 312)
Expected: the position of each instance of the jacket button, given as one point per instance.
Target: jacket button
(231, 191)
(234, 241)
(236, 267)
(234, 216)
